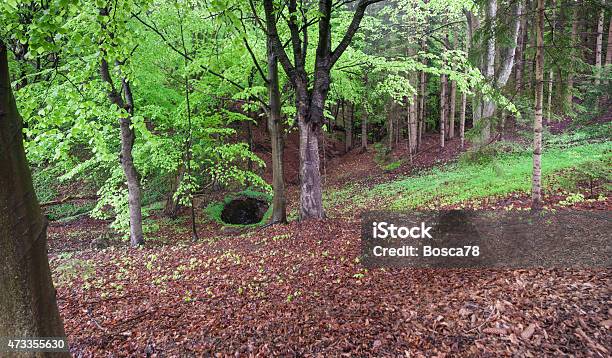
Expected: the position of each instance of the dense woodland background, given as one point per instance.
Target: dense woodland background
(237, 142)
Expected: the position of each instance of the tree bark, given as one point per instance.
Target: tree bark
(536, 190)
(551, 73)
(569, 96)
(451, 114)
(609, 45)
(128, 136)
(279, 201)
(172, 203)
(348, 124)
(462, 119)
(520, 55)
(364, 130)
(443, 84)
(598, 47)
(421, 98)
(27, 295)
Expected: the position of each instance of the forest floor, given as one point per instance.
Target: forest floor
(300, 289)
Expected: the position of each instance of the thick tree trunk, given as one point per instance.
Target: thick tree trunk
(443, 83)
(536, 190)
(311, 199)
(279, 201)
(27, 295)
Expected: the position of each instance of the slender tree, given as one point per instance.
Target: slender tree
(27, 295)
(279, 202)
(123, 99)
(443, 85)
(536, 190)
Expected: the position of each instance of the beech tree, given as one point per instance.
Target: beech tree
(310, 94)
(27, 295)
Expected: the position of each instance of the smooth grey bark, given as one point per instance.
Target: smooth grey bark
(536, 189)
(279, 201)
(28, 306)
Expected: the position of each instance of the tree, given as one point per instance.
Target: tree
(485, 107)
(310, 96)
(536, 189)
(279, 202)
(124, 101)
(27, 295)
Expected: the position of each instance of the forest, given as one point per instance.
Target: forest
(186, 178)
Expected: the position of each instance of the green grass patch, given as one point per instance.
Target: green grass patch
(466, 180)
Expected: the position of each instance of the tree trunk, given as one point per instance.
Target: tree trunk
(172, 203)
(451, 114)
(462, 119)
(311, 199)
(422, 88)
(348, 124)
(598, 47)
(609, 46)
(127, 144)
(443, 83)
(364, 130)
(27, 295)
(128, 137)
(551, 73)
(279, 201)
(412, 122)
(569, 96)
(390, 116)
(520, 55)
(536, 190)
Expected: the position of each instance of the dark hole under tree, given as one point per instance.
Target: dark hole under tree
(244, 211)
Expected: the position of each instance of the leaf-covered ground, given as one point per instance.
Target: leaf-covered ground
(299, 289)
